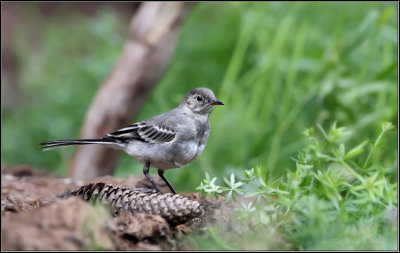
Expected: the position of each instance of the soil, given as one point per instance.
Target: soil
(34, 218)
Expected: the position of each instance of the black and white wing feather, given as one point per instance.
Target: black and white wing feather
(144, 132)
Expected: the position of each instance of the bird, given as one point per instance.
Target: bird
(167, 141)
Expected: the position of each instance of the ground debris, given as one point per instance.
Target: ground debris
(35, 218)
(53, 227)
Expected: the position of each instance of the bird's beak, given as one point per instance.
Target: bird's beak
(217, 102)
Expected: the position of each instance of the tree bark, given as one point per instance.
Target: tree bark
(147, 52)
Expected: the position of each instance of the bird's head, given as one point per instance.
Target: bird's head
(201, 100)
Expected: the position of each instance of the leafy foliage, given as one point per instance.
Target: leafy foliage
(330, 202)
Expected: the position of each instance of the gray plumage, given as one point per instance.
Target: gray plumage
(169, 140)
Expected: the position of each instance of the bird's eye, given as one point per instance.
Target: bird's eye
(199, 98)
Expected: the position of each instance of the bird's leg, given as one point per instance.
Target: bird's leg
(161, 174)
(146, 173)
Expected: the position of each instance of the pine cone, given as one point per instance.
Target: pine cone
(175, 208)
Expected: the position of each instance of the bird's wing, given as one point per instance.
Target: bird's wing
(144, 132)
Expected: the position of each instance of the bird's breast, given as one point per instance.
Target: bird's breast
(191, 148)
(202, 131)
(202, 136)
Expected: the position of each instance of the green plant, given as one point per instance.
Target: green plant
(330, 201)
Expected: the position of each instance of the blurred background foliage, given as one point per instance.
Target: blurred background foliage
(278, 67)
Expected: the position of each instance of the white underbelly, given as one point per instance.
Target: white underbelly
(185, 155)
(164, 156)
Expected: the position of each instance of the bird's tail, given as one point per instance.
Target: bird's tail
(62, 143)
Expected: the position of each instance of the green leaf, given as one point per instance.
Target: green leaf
(249, 175)
(226, 181)
(386, 126)
(228, 196)
(359, 149)
(309, 132)
(341, 151)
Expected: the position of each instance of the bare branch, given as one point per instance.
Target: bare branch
(145, 56)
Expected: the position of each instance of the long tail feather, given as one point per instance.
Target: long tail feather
(63, 143)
